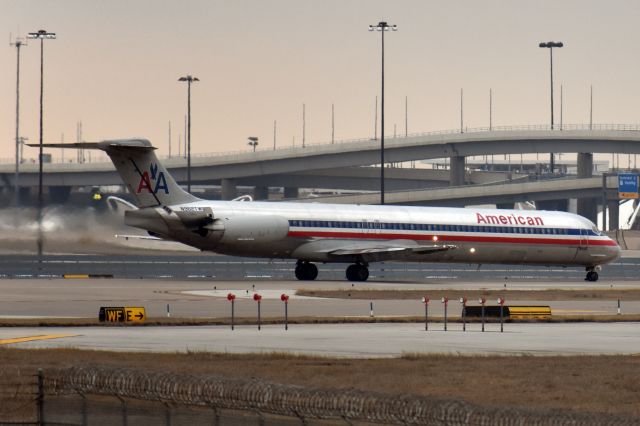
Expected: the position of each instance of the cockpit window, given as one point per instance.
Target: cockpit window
(595, 230)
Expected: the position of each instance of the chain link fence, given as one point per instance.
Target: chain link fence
(95, 395)
(18, 396)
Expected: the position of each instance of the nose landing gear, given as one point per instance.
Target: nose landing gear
(357, 272)
(592, 275)
(306, 271)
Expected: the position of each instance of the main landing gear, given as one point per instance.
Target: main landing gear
(306, 271)
(357, 272)
(592, 275)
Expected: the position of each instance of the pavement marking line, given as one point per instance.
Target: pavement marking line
(34, 338)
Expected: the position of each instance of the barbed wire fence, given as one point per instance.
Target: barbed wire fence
(125, 388)
(18, 396)
(100, 395)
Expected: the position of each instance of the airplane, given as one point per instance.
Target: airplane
(353, 234)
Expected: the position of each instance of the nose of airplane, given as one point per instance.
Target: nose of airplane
(613, 251)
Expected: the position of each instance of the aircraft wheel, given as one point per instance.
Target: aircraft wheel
(312, 271)
(357, 273)
(306, 271)
(592, 276)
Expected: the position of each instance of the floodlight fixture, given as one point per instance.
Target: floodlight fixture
(189, 79)
(382, 27)
(550, 45)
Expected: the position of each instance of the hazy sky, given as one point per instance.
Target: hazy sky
(116, 63)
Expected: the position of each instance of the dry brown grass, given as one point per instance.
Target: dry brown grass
(607, 384)
(177, 321)
(509, 295)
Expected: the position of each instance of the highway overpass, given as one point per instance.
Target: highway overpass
(293, 166)
(207, 168)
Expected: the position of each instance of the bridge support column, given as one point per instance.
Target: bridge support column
(587, 207)
(456, 171)
(553, 205)
(614, 214)
(23, 194)
(291, 192)
(261, 193)
(59, 194)
(228, 190)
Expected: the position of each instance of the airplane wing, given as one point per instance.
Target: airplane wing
(364, 249)
(374, 251)
(138, 237)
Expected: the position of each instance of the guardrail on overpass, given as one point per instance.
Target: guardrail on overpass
(224, 169)
(474, 142)
(466, 130)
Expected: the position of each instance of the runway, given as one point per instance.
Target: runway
(82, 298)
(348, 340)
(205, 298)
(217, 267)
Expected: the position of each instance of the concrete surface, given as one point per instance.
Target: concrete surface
(42, 298)
(354, 340)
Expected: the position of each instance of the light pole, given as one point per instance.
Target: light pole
(253, 141)
(550, 45)
(18, 44)
(382, 27)
(189, 79)
(42, 35)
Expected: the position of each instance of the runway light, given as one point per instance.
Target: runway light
(472, 250)
(435, 238)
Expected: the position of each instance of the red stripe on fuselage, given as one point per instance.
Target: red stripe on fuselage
(453, 238)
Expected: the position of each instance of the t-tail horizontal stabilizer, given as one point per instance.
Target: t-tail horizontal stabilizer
(147, 179)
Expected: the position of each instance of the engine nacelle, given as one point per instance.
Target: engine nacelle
(194, 217)
(250, 229)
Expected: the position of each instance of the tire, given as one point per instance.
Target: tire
(312, 271)
(592, 276)
(300, 272)
(306, 271)
(351, 272)
(357, 273)
(363, 273)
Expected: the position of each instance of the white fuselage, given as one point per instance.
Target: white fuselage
(310, 231)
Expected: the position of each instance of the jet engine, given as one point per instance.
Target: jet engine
(249, 229)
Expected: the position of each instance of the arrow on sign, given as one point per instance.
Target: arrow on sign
(139, 316)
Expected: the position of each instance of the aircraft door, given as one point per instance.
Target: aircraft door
(584, 238)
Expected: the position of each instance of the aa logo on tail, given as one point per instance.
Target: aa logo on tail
(153, 181)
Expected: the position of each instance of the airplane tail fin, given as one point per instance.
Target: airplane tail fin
(147, 179)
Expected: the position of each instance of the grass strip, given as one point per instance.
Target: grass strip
(246, 321)
(604, 384)
(474, 295)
